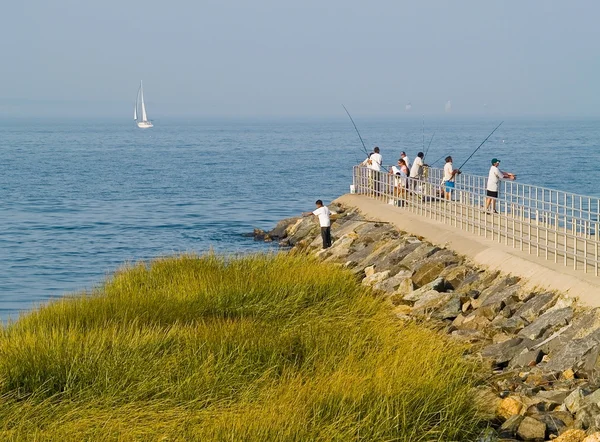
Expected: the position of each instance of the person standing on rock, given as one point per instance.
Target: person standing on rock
(493, 183)
(324, 214)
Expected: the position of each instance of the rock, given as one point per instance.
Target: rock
(574, 401)
(536, 306)
(509, 325)
(488, 435)
(510, 426)
(438, 285)
(568, 374)
(392, 284)
(281, 228)
(588, 416)
(526, 359)
(531, 429)
(548, 321)
(456, 275)
(437, 305)
(418, 255)
(554, 396)
(375, 278)
(594, 437)
(369, 271)
(492, 305)
(502, 353)
(427, 272)
(593, 398)
(568, 355)
(474, 321)
(556, 421)
(468, 336)
(508, 407)
(499, 285)
(571, 436)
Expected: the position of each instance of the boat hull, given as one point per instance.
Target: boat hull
(144, 124)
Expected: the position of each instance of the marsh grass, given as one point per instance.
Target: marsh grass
(258, 348)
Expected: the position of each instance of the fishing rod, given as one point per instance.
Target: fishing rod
(480, 145)
(423, 130)
(431, 165)
(429, 145)
(354, 124)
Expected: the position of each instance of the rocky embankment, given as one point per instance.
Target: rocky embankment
(542, 348)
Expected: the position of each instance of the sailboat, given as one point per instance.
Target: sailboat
(142, 123)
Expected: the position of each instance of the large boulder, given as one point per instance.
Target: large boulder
(531, 429)
(414, 258)
(536, 306)
(427, 271)
(549, 321)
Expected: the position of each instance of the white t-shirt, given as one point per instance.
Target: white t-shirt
(376, 160)
(399, 176)
(448, 168)
(323, 214)
(494, 179)
(417, 168)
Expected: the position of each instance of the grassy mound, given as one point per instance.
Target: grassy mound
(247, 349)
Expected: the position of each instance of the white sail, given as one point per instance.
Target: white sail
(448, 107)
(143, 123)
(408, 107)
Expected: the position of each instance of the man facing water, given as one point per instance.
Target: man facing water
(323, 213)
(493, 183)
(449, 176)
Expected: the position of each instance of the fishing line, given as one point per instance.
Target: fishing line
(486, 138)
(361, 140)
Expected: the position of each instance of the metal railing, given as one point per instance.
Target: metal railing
(556, 225)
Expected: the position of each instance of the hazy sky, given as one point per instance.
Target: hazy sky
(300, 58)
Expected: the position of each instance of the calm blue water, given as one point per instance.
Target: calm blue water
(80, 198)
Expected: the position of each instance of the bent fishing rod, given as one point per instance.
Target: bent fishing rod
(361, 140)
(482, 143)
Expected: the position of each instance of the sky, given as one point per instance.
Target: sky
(256, 58)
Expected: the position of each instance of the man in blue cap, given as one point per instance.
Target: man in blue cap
(493, 184)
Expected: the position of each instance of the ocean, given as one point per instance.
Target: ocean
(81, 198)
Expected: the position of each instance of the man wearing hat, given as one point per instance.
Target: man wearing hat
(493, 183)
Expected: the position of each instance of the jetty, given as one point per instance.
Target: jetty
(519, 287)
(549, 237)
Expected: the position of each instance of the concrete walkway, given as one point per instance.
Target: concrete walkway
(537, 273)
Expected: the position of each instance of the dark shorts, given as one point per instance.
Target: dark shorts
(491, 194)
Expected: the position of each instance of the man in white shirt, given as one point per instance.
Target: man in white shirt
(376, 160)
(323, 213)
(449, 176)
(375, 166)
(416, 171)
(493, 183)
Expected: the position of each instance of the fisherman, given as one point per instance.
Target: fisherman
(493, 182)
(375, 166)
(416, 171)
(376, 160)
(323, 213)
(449, 177)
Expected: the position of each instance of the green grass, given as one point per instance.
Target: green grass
(260, 348)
